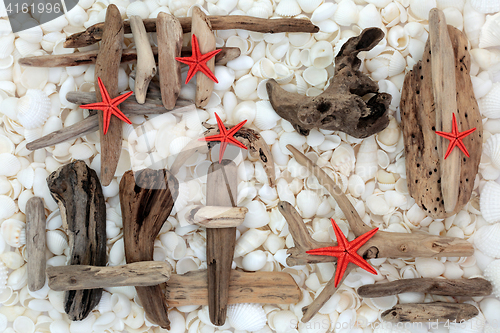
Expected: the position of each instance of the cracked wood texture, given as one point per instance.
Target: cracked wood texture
(78, 192)
(35, 243)
(147, 198)
(418, 120)
(423, 312)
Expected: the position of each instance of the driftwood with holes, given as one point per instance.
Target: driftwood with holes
(381, 245)
(259, 287)
(424, 154)
(94, 33)
(143, 273)
(147, 198)
(35, 243)
(445, 287)
(216, 216)
(424, 312)
(78, 192)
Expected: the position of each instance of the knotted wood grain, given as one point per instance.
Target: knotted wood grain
(35, 243)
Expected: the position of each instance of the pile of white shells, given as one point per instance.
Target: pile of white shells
(370, 171)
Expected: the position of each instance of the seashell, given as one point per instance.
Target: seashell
(421, 8)
(7, 41)
(394, 198)
(265, 116)
(84, 325)
(489, 202)
(26, 48)
(481, 86)
(187, 264)
(384, 303)
(120, 304)
(343, 159)
(257, 215)
(3, 276)
(452, 270)
(323, 12)
(357, 279)
(492, 274)
(490, 308)
(429, 267)
(454, 17)
(23, 324)
(492, 149)
(308, 202)
(366, 163)
(77, 16)
(473, 22)
(12, 260)
(246, 316)
(117, 253)
(485, 6)
(35, 78)
(369, 16)
(288, 8)
(57, 241)
(249, 241)
(254, 261)
(346, 13)
(6, 145)
(485, 240)
(485, 59)
(33, 108)
(392, 14)
(18, 278)
(174, 244)
(138, 8)
(245, 110)
(490, 32)
(389, 137)
(10, 165)
(309, 6)
(321, 54)
(7, 206)
(14, 232)
(245, 86)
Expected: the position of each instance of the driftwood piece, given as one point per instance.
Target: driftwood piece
(94, 33)
(35, 243)
(418, 120)
(341, 106)
(423, 312)
(169, 33)
(145, 273)
(222, 190)
(454, 287)
(78, 192)
(258, 287)
(147, 198)
(128, 56)
(146, 65)
(106, 67)
(216, 217)
(257, 148)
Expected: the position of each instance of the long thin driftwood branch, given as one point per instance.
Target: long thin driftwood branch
(424, 312)
(216, 216)
(94, 33)
(35, 243)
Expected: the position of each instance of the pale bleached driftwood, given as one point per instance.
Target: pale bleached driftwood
(94, 33)
(147, 198)
(144, 273)
(169, 34)
(259, 287)
(78, 192)
(146, 65)
(106, 67)
(202, 28)
(222, 190)
(446, 287)
(424, 312)
(216, 217)
(128, 56)
(35, 243)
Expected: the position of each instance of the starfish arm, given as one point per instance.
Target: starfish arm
(192, 71)
(236, 142)
(207, 56)
(104, 93)
(223, 146)
(195, 47)
(217, 137)
(205, 70)
(120, 99)
(359, 261)
(332, 251)
(451, 145)
(94, 106)
(465, 133)
(359, 241)
(106, 119)
(342, 263)
(454, 129)
(236, 128)
(445, 135)
(120, 115)
(220, 124)
(341, 240)
(461, 145)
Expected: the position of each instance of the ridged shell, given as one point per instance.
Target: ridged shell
(3, 276)
(7, 207)
(246, 316)
(33, 109)
(490, 32)
(473, 22)
(288, 8)
(14, 232)
(489, 105)
(138, 8)
(421, 8)
(10, 165)
(489, 199)
(57, 241)
(492, 274)
(486, 240)
(486, 6)
(265, 116)
(6, 145)
(492, 149)
(346, 13)
(26, 177)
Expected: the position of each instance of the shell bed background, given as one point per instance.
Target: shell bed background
(371, 171)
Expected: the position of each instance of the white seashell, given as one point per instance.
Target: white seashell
(490, 32)
(320, 55)
(245, 110)
(33, 109)
(309, 6)
(57, 241)
(294, 139)
(395, 199)
(117, 253)
(254, 261)
(265, 116)
(473, 22)
(14, 232)
(389, 137)
(492, 274)
(421, 8)
(393, 13)
(6, 145)
(288, 8)
(245, 86)
(485, 6)
(356, 185)
(384, 303)
(429, 267)
(246, 316)
(84, 325)
(492, 149)
(10, 165)
(308, 202)
(187, 264)
(369, 16)
(120, 304)
(18, 278)
(24, 324)
(35, 78)
(257, 215)
(26, 48)
(138, 8)
(77, 16)
(480, 85)
(346, 13)
(3, 276)
(7, 41)
(174, 244)
(485, 240)
(249, 241)
(323, 12)
(343, 159)
(366, 163)
(490, 195)
(490, 307)
(485, 59)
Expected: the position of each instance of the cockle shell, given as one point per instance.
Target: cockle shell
(490, 32)
(265, 116)
(10, 165)
(57, 241)
(369, 16)
(393, 13)
(492, 274)
(14, 233)
(492, 149)
(12, 260)
(18, 278)
(485, 240)
(3, 276)
(485, 6)
(347, 13)
(473, 22)
(288, 8)
(7, 206)
(490, 196)
(309, 6)
(489, 105)
(33, 109)
(246, 316)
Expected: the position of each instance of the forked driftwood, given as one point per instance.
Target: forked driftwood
(35, 243)
(381, 245)
(453, 287)
(93, 34)
(341, 106)
(78, 192)
(424, 312)
(144, 273)
(216, 217)
(147, 198)
(259, 287)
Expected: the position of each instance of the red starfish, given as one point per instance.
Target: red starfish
(455, 138)
(346, 252)
(225, 136)
(197, 61)
(109, 106)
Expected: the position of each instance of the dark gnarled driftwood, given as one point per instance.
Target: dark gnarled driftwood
(423, 312)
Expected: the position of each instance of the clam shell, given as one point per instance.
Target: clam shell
(347, 13)
(12, 260)
(254, 261)
(249, 241)
(33, 109)
(485, 240)
(343, 159)
(369, 16)
(57, 241)
(7, 207)
(421, 8)
(485, 6)
(138, 8)
(309, 6)
(265, 116)
(187, 264)
(384, 303)
(117, 253)
(308, 202)
(14, 232)
(490, 307)
(288, 8)
(18, 278)
(490, 32)
(10, 165)
(35, 78)
(490, 196)
(6, 145)
(492, 149)
(246, 316)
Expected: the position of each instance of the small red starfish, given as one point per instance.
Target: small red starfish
(455, 138)
(197, 61)
(346, 252)
(109, 106)
(225, 136)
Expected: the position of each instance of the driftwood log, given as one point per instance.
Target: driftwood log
(107, 66)
(341, 106)
(78, 192)
(35, 243)
(418, 119)
(445, 287)
(147, 198)
(259, 287)
(216, 217)
(94, 33)
(144, 273)
(424, 312)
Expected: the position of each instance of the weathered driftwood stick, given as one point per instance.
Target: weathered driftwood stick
(445, 100)
(128, 56)
(455, 287)
(259, 287)
(106, 67)
(93, 34)
(222, 190)
(169, 34)
(35, 243)
(216, 217)
(146, 66)
(423, 312)
(144, 273)
(78, 192)
(147, 198)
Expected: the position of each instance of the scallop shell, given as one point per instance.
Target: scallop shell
(490, 32)
(486, 6)
(490, 103)
(246, 316)
(138, 8)
(10, 165)
(492, 274)
(57, 241)
(288, 8)
(490, 196)
(346, 13)
(33, 109)
(265, 116)
(421, 8)
(473, 22)
(14, 232)
(245, 110)
(492, 149)
(7, 206)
